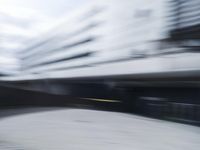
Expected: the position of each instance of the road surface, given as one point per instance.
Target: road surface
(82, 129)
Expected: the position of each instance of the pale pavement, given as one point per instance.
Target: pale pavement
(79, 129)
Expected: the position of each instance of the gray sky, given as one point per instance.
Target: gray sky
(38, 13)
(51, 8)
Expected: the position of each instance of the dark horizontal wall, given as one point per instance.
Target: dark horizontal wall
(61, 95)
(178, 103)
(18, 97)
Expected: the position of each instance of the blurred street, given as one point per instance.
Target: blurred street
(83, 129)
(100, 75)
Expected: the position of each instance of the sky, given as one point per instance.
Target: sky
(51, 8)
(21, 20)
(18, 16)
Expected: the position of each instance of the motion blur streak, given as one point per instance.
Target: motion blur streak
(135, 56)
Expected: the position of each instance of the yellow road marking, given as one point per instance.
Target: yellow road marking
(103, 100)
